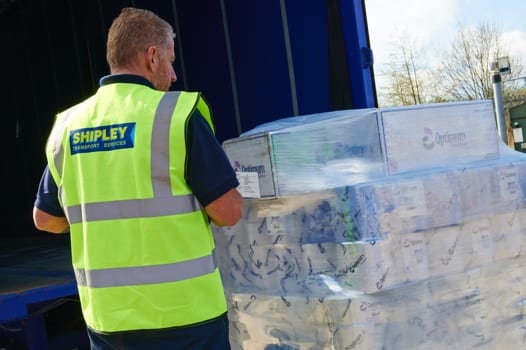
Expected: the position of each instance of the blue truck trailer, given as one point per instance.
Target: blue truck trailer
(255, 61)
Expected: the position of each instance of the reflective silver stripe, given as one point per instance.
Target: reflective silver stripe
(160, 165)
(162, 203)
(133, 276)
(135, 208)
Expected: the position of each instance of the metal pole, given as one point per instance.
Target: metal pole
(499, 106)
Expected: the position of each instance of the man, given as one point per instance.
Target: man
(135, 174)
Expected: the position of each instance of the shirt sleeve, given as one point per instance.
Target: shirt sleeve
(208, 172)
(47, 195)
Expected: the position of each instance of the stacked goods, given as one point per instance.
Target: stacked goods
(386, 250)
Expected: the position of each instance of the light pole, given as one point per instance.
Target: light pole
(499, 102)
(498, 68)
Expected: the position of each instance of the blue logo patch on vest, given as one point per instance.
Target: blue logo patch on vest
(102, 138)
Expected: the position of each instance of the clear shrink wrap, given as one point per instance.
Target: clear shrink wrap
(397, 228)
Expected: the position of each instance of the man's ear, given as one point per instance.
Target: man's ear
(152, 58)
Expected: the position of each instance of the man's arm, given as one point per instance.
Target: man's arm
(210, 174)
(227, 209)
(50, 223)
(47, 212)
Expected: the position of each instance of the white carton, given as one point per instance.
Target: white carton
(308, 153)
(437, 135)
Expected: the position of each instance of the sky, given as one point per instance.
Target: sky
(433, 24)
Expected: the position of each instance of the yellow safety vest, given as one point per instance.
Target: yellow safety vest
(142, 247)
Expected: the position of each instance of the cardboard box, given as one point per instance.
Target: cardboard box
(315, 152)
(437, 135)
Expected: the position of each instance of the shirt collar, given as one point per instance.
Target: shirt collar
(125, 78)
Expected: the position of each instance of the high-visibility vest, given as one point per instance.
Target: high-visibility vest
(142, 246)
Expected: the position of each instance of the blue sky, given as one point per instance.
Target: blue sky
(432, 24)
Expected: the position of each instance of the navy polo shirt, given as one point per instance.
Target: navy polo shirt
(208, 170)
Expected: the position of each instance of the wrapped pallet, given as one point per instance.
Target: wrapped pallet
(397, 228)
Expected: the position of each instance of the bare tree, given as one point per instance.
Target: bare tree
(514, 86)
(406, 75)
(464, 71)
